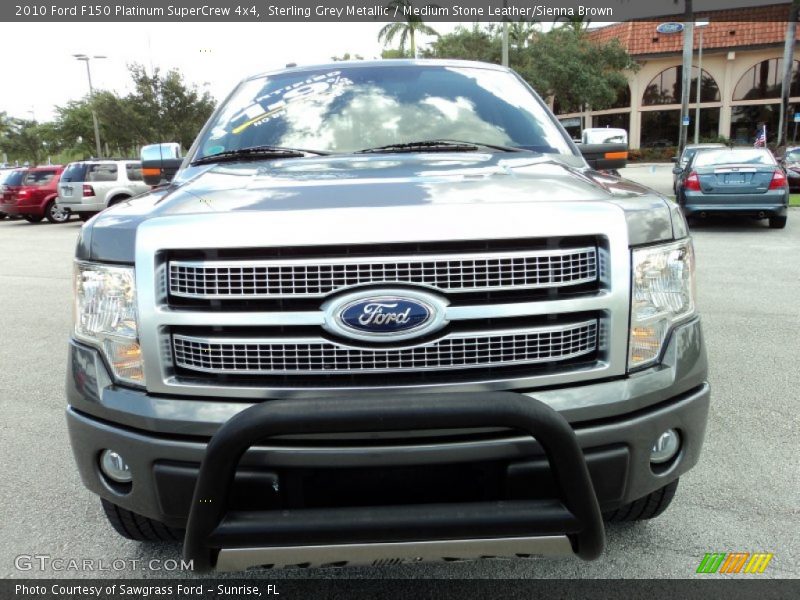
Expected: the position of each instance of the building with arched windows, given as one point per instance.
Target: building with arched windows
(740, 83)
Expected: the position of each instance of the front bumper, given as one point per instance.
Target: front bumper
(615, 423)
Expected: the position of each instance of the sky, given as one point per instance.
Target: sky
(214, 56)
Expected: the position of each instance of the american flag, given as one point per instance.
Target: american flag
(761, 138)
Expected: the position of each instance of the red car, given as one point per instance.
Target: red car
(31, 194)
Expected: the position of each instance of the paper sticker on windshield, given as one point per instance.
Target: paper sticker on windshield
(271, 104)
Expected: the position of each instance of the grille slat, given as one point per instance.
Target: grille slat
(465, 350)
(449, 273)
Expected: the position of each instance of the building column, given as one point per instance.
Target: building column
(635, 135)
(726, 93)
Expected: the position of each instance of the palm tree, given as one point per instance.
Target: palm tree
(407, 30)
(578, 25)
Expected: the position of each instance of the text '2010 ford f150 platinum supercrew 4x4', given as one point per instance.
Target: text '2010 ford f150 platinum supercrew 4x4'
(384, 312)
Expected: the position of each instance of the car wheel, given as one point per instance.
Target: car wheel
(648, 507)
(138, 528)
(777, 222)
(2, 216)
(55, 214)
(33, 218)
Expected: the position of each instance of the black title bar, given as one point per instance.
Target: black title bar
(377, 10)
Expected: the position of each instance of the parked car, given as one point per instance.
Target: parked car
(89, 186)
(385, 312)
(680, 161)
(791, 164)
(736, 181)
(31, 194)
(5, 173)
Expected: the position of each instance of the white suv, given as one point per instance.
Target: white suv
(89, 186)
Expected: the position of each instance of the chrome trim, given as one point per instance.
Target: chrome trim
(369, 270)
(189, 350)
(393, 553)
(424, 223)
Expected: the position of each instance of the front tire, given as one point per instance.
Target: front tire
(138, 528)
(648, 507)
(33, 218)
(777, 222)
(54, 214)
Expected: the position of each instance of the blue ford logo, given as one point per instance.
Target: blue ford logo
(385, 315)
(669, 27)
(392, 315)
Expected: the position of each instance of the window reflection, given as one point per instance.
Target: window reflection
(358, 107)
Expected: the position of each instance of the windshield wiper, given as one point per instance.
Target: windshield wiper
(438, 146)
(256, 153)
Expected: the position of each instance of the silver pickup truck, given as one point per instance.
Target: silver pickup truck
(384, 312)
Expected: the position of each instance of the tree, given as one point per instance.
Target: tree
(408, 29)
(560, 62)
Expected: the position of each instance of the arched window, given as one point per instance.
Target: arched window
(763, 81)
(665, 88)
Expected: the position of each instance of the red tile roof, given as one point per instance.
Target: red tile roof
(729, 29)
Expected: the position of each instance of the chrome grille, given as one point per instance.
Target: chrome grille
(319, 277)
(278, 356)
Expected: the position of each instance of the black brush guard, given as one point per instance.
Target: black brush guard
(576, 513)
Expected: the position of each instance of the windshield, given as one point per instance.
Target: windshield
(359, 107)
(14, 178)
(793, 156)
(731, 157)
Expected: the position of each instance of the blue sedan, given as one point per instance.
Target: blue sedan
(736, 181)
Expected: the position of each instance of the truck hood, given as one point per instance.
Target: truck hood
(318, 187)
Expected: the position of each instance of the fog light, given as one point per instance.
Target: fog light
(665, 447)
(114, 467)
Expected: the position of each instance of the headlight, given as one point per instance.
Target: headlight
(105, 316)
(663, 293)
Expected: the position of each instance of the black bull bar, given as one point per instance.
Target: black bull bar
(575, 513)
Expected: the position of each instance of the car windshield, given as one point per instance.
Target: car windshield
(793, 155)
(14, 178)
(753, 156)
(354, 108)
(74, 172)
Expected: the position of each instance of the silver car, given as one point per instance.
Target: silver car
(89, 186)
(740, 181)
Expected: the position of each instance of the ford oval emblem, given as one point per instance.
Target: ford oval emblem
(671, 27)
(391, 315)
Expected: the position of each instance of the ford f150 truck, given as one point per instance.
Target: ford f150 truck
(384, 312)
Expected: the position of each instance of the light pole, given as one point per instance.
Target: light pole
(700, 25)
(86, 59)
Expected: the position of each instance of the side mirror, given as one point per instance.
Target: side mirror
(605, 156)
(160, 162)
(676, 170)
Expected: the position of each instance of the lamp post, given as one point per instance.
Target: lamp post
(699, 25)
(86, 59)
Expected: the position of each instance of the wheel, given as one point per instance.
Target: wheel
(2, 216)
(648, 507)
(55, 214)
(118, 199)
(33, 218)
(777, 222)
(138, 528)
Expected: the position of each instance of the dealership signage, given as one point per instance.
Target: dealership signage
(669, 27)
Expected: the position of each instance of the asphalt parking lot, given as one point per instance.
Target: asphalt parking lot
(743, 496)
